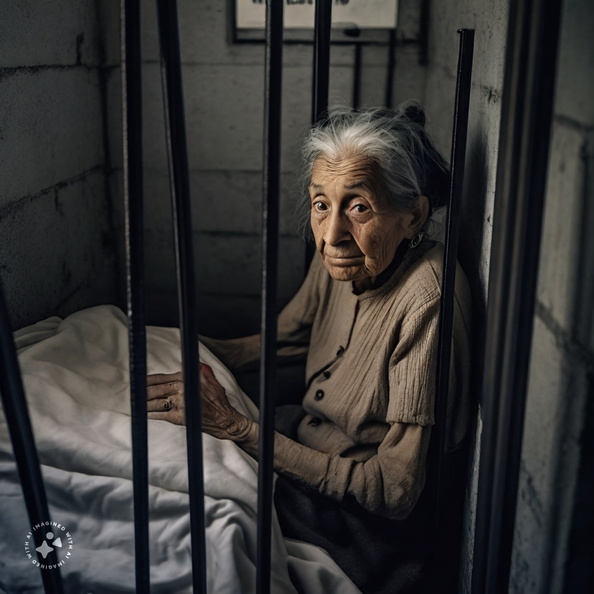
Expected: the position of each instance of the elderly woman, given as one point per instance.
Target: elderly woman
(351, 477)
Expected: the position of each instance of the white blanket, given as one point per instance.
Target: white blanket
(76, 379)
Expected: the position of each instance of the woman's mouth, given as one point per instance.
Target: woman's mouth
(343, 260)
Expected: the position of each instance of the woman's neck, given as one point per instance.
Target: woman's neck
(377, 281)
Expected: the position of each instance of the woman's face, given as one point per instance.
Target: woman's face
(356, 228)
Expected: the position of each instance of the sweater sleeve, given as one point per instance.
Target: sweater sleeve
(412, 367)
(387, 484)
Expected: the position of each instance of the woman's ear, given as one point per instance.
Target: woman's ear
(414, 220)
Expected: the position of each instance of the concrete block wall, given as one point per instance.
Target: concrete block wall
(559, 411)
(224, 99)
(489, 21)
(57, 251)
(551, 529)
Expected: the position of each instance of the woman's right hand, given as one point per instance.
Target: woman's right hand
(219, 418)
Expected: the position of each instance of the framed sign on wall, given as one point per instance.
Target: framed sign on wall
(366, 21)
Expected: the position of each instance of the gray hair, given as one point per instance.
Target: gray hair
(408, 163)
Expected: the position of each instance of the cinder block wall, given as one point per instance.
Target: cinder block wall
(554, 519)
(224, 96)
(57, 251)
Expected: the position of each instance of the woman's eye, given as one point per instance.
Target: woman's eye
(360, 208)
(319, 206)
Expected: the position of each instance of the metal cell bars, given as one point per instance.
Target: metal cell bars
(134, 225)
(178, 163)
(186, 283)
(521, 177)
(17, 417)
(459, 135)
(321, 61)
(321, 76)
(270, 243)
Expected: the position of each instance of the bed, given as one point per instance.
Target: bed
(75, 372)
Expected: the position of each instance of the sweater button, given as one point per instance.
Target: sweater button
(340, 351)
(319, 395)
(326, 374)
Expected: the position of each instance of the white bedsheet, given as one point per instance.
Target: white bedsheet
(76, 378)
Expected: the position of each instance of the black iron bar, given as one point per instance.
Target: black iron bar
(131, 60)
(458, 155)
(270, 244)
(171, 72)
(391, 73)
(321, 64)
(527, 108)
(17, 417)
(357, 67)
(321, 76)
(424, 19)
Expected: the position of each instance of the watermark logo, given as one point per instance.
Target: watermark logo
(56, 545)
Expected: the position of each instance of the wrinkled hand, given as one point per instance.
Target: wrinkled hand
(165, 397)
(219, 418)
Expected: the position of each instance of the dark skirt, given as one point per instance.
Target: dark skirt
(383, 556)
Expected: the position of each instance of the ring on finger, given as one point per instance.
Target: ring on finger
(166, 405)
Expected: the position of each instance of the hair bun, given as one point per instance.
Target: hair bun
(415, 113)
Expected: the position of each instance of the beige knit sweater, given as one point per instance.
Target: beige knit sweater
(370, 377)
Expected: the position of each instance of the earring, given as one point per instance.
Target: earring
(414, 242)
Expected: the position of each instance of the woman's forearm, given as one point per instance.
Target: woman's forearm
(383, 485)
(247, 438)
(236, 353)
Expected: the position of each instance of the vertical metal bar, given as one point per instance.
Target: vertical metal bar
(424, 32)
(321, 76)
(357, 75)
(321, 65)
(182, 214)
(389, 101)
(459, 135)
(527, 108)
(134, 223)
(14, 405)
(270, 243)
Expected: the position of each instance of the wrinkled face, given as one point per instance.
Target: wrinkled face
(356, 228)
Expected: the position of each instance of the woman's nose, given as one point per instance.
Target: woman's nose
(337, 229)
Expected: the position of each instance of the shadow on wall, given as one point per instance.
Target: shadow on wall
(472, 240)
(583, 322)
(579, 574)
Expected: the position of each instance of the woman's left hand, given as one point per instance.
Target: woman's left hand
(165, 393)
(165, 397)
